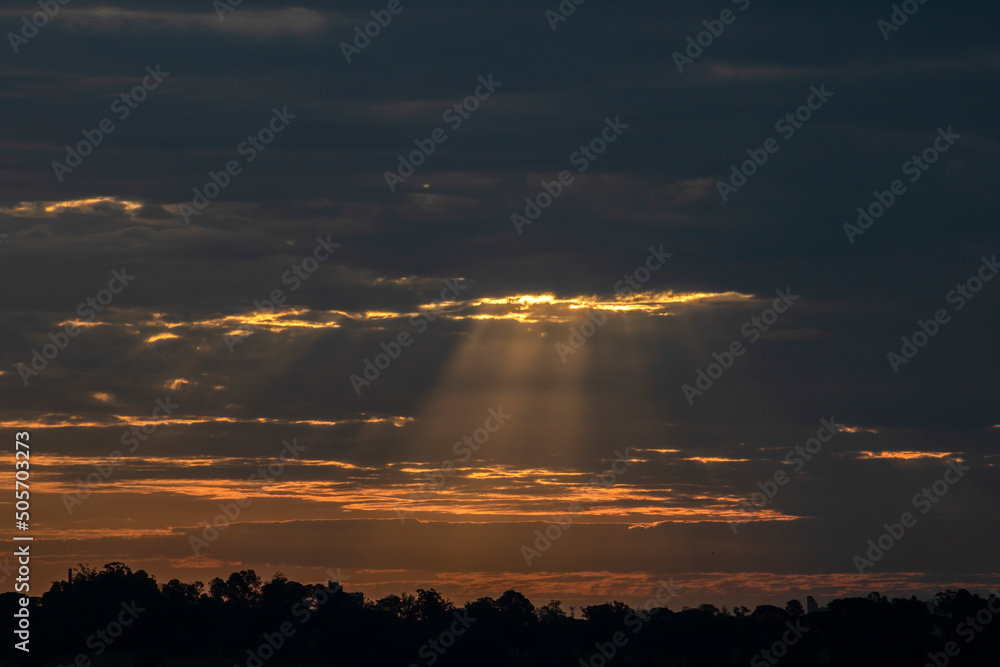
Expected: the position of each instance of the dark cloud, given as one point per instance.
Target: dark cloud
(323, 177)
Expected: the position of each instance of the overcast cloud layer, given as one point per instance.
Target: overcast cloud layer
(186, 327)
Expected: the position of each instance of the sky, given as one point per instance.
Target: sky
(506, 294)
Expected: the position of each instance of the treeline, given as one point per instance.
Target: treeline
(115, 616)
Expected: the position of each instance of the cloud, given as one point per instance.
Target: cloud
(95, 206)
(289, 20)
(494, 344)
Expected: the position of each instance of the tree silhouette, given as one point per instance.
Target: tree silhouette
(182, 623)
(794, 608)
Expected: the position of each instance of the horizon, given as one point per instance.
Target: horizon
(675, 594)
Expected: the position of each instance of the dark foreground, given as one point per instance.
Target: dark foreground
(118, 618)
